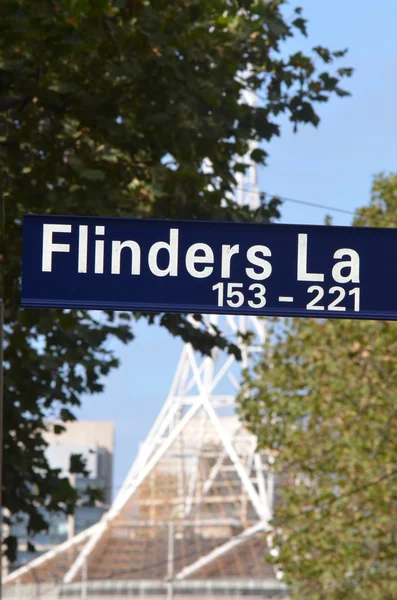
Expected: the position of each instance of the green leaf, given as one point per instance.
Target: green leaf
(258, 155)
(301, 25)
(58, 429)
(93, 174)
(305, 113)
(345, 72)
(324, 53)
(78, 464)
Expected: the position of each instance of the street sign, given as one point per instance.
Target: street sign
(209, 267)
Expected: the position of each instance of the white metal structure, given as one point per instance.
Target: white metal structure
(193, 396)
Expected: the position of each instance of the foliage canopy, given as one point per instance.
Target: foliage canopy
(326, 404)
(110, 108)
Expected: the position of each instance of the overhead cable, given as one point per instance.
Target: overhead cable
(294, 200)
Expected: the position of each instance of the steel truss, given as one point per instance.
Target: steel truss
(193, 399)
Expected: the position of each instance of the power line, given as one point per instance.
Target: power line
(315, 205)
(295, 201)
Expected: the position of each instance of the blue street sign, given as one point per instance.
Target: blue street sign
(209, 267)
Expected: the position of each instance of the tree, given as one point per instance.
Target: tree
(109, 107)
(325, 404)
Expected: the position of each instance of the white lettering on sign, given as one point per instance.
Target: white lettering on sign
(206, 256)
(99, 250)
(335, 305)
(171, 249)
(83, 249)
(135, 248)
(48, 245)
(254, 259)
(227, 261)
(227, 253)
(235, 297)
(303, 274)
(353, 266)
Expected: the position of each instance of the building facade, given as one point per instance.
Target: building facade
(94, 441)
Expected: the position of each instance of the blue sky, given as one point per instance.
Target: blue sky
(332, 165)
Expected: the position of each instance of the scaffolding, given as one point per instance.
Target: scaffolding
(194, 509)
